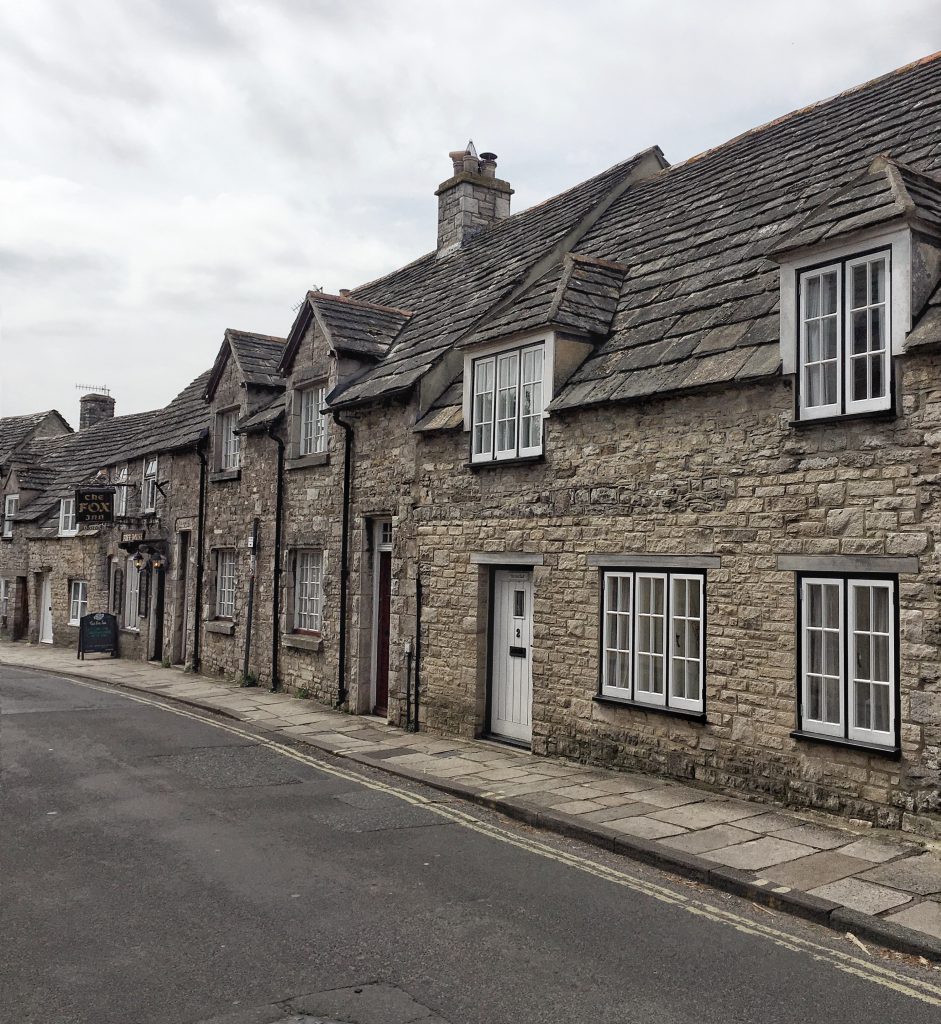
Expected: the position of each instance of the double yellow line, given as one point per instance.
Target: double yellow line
(915, 988)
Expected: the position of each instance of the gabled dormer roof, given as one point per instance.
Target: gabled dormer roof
(352, 327)
(888, 192)
(16, 431)
(256, 355)
(578, 296)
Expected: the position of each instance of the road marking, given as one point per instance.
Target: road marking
(915, 988)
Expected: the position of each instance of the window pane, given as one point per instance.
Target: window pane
(879, 597)
(829, 343)
(832, 701)
(880, 708)
(860, 296)
(830, 383)
(860, 332)
(814, 702)
(832, 606)
(863, 706)
(876, 377)
(828, 295)
(812, 297)
(813, 341)
(877, 281)
(880, 659)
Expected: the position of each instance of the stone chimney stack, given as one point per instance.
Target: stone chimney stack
(471, 200)
(94, 409)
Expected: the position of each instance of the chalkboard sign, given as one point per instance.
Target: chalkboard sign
(98, 634)
(94, 505)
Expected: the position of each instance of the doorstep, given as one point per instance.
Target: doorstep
(878, 885)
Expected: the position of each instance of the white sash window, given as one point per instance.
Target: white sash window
(508, 404)
(653, 639)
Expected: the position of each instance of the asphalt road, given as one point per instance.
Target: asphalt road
(160, 865)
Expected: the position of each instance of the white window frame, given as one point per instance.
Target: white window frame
(308, 590)
(149, 484)
(68, 526)
(11, 505)
(632, 692)
(312, 424)
(847, 728)
(230, 443)
(226, 582)
(480, 396)
(78, 601)
(686, 703)
(120, 492)
(820, 726)
(809, 412)
(864, 405)
(4, 597)
(898, 245)
(131, 595)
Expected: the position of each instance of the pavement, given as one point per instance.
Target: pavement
(874, 884)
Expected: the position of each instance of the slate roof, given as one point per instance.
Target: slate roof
(699, 303)
(16, 430)
(59, 465)
(450, 295)
(886, 192)
(256, 355)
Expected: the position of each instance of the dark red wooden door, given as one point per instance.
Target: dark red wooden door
(382, 635)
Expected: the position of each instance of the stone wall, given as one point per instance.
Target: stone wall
(722, 474)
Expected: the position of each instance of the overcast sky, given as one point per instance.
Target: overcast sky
(170, 168)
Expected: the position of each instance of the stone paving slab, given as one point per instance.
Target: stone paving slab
(925, 917)
(921, 874)
(818, 869)
(706, 813)
(814, 865)
(758, 854)
(707, 839)
(864, 896)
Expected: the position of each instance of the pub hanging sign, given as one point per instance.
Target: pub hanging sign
(94, 505)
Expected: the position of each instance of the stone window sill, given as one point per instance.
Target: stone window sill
(893, 753)
(130, 630)
(303, 642)
(657, 709)
(307, 461)
(223, 475)
(223, 627)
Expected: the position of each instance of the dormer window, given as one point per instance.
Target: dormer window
(11, 504)
(313, 427)
(508, 404)
(120, 492)
(149, 487)
(68, 527)
(230, 453)
(845, 337)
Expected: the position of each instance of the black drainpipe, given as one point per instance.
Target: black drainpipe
(251, 603)
(344, 552)
(276, 579)
(200, 529)
(417, 645)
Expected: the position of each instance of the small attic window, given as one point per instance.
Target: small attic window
(508, 404)
(844, 335)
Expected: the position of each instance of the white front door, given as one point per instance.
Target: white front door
(45, 609)
(511, 687)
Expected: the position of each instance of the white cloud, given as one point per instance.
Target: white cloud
(169, 168)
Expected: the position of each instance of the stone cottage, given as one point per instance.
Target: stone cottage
(647, 475)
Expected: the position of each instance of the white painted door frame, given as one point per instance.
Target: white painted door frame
(45, 608)
(511, 656)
